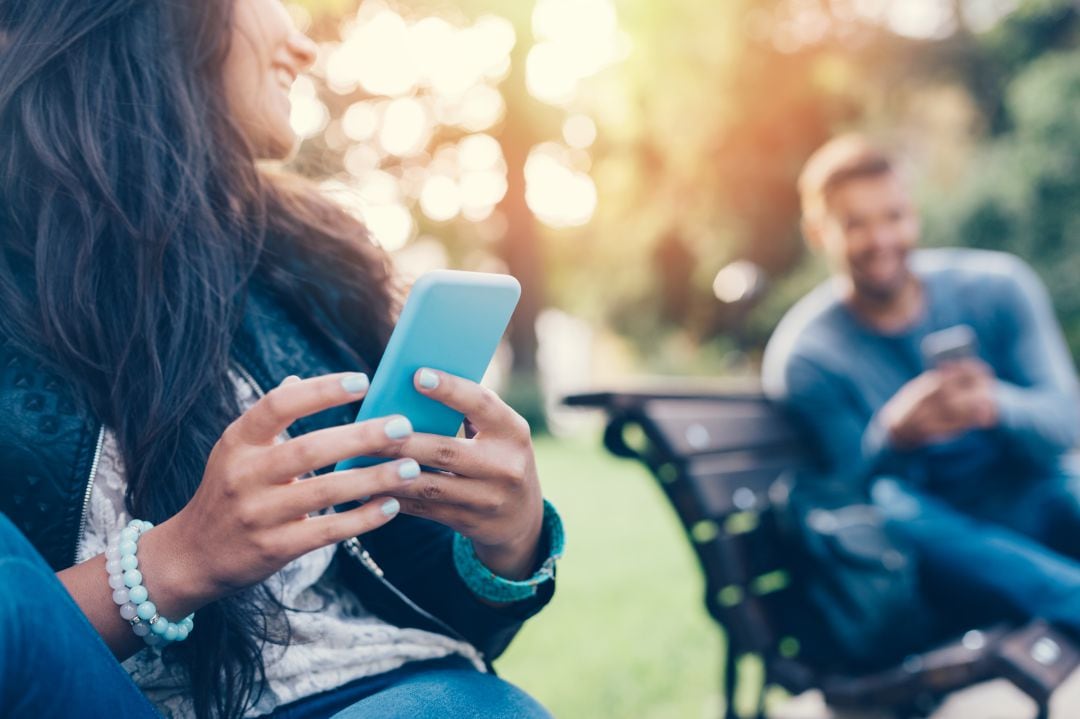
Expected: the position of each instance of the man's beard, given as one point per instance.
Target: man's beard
(881, 293)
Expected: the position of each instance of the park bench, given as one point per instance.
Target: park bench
(724, 458)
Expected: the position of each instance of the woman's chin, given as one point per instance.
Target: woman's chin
(280, 147)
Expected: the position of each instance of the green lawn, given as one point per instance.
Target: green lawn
(627, 634)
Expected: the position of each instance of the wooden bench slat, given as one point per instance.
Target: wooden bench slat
(688, 428)
(720, 493)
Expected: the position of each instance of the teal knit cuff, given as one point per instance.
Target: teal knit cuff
(487, 585)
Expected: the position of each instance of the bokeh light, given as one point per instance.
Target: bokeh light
(309, 115)
(921, 18)
(411, 80)
(406, 127)
(375, 201)
(440, 198)
(375, 55)
(361, 120)
(579, 131)
(558, 195)
(737, 282)
(576, 39)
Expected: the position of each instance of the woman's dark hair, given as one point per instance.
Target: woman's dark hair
(132, 218)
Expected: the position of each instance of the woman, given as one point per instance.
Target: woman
(162, 297)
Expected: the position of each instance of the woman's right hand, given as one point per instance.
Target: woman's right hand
(249, 516)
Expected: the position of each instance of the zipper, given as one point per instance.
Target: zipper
(250, 380)
(89, 489)
(356, 550)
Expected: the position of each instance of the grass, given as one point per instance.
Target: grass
(627, 634)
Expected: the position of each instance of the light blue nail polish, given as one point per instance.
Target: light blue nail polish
(390, 507)
(398, 428)
(355, 382)
(409, 469)
(428, 379)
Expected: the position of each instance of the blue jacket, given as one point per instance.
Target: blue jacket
(403, 572)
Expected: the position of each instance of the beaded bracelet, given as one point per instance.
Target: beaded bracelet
(129, 593)
(485, 584)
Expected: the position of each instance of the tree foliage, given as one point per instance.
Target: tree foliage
(704, 124)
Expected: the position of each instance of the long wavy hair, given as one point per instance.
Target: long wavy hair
(132, 218)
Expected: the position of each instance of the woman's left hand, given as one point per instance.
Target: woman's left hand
(492, 492)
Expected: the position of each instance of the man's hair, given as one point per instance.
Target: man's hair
(840, 160)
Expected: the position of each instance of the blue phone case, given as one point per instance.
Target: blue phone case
(452, 321)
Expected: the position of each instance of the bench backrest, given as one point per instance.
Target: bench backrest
(718, 458)
(724, 460)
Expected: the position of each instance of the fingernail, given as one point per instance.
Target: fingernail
(357, 382)
(390, 507)
(428, 379)
(409, 469)
(290, 379)
(398, 428)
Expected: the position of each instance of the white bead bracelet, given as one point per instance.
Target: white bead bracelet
(122, 564)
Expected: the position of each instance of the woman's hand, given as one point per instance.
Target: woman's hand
(491, 491)
(249, 516)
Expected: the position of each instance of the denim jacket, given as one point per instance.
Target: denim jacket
(403, 572)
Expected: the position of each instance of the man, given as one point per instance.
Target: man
(974, 448)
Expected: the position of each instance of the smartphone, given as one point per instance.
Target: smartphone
(949, 345)
(452, 321)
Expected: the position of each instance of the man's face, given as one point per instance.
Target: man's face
(868, 229)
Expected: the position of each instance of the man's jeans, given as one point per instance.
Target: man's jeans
(53, 663)
(1014, 554)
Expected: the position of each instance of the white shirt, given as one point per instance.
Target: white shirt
(334, 639)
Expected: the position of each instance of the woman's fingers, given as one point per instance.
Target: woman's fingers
(313, 494)
(484, 408)
(313, 533)
(465, 457)
(456, 502)
(435, 488)
(291, 400)
(460, 519)
(374, 437)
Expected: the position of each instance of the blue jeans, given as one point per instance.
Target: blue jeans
(53, 663)
(449, 688)
(1012, 555)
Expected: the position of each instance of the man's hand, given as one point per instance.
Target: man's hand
(942, 403)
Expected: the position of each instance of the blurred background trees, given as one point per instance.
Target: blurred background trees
(616, 155)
